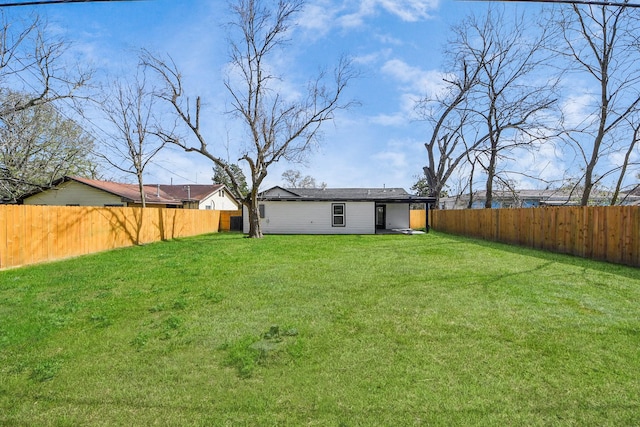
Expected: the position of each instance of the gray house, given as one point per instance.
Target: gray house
(334, 211)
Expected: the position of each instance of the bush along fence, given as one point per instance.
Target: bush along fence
(610, 233)
(33, 234)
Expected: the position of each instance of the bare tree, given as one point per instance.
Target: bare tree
(38, 146)
(511, 99)
(33, 62)
(294, 179)
(601, 44)
(491, 104)
(448, 114)
(626, 162)
(136, 137)
(278, 128)
(35, 75)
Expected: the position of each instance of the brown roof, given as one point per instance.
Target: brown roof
(189, 192)
(154, 194)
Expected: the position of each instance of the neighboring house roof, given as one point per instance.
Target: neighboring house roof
(155, 194)
(188, 192)
(342, 194)
(128, 192)
(542, 197)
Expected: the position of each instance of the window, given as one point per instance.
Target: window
(261, 209)
(337, 215)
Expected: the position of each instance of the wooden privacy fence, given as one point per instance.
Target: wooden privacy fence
(417, 218)
(608, 233)
(33, 234)
(225, 219)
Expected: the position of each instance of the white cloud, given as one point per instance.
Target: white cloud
(318, 18)
(414, 83)
(577, 109)
(396, 119)
(388, 39)
(410, 10)
(414, 79)
(396, 160)
(372, 58)
(323, 15)
(406, 10)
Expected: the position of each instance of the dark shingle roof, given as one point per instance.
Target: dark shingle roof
(189, 192)
(341, 194)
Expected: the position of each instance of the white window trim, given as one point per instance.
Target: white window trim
(334, 215)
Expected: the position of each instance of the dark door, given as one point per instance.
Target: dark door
(381, 217)
(236, 223)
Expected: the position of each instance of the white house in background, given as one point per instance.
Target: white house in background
(333, 211)
(76, 191)
(214, 197)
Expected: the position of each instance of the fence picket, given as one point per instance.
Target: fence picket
(32, 234)
(609, 233)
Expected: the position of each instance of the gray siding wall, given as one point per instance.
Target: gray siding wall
(314, 218)
(397, 216)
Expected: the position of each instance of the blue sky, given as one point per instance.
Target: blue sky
(396, 45)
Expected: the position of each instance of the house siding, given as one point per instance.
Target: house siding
(283, 217)
(217, 202)
(397, 215)
(74, 193)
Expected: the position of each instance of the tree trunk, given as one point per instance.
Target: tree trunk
(595, 154)
(625, 164)
(143, 199)
(255, 231)
(491, 173)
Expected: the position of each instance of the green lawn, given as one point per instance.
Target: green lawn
(323, 331)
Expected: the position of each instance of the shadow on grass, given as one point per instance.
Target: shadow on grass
(567, 259)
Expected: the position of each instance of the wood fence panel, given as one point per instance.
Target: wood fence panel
(631, 247)
(41, 235)
(3, 237)
(7, 256)
(511, 230)
(29, 234)
(598, 247)
(561, 231)
(417, 218)
(634, 246)
(535, 230)
(580, 226)
(601, 233)
(33, 234)
(16, 233)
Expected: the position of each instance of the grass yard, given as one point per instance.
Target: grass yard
(320, 330)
